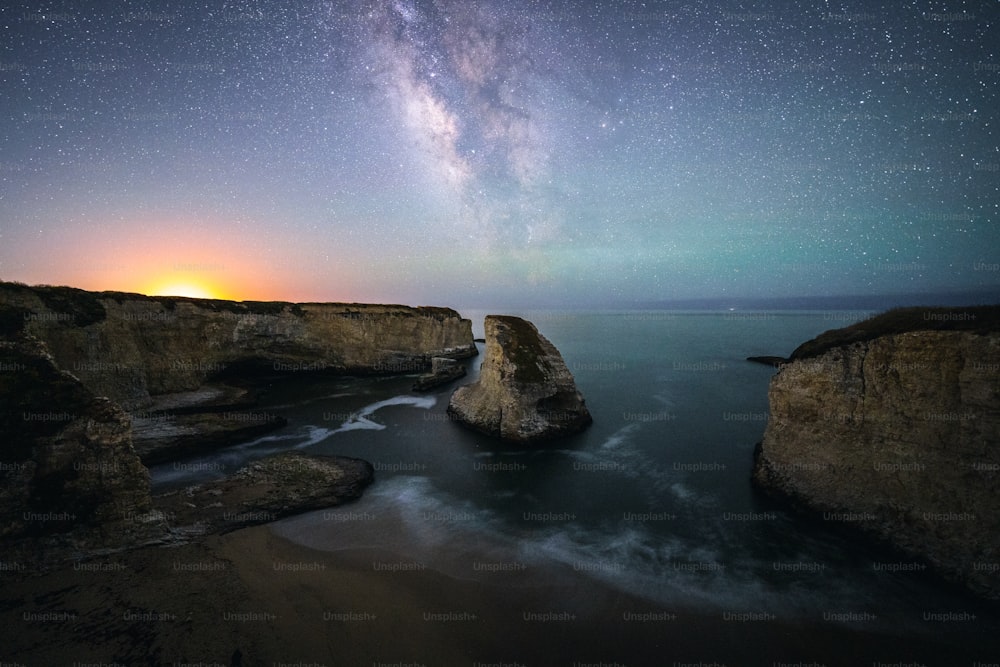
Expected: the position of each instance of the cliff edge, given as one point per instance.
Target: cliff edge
(525, 392)
(75, 365)
(131, 347)
(893, 425)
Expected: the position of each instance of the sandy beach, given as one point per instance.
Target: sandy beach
(253, 598)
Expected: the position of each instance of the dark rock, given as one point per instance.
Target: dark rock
(443, 371)
(163, 437)
(266, 490)
(768, 360)
(68, 465)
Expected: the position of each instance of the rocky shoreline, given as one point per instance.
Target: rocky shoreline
(97, 386)
(266, 490)
(75, 477)
(73, 483)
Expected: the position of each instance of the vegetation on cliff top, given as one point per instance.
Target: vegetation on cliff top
(80, 306)
(524, 348)
(978, 319)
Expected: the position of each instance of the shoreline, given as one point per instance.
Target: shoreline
(277, 602)
(406, 588)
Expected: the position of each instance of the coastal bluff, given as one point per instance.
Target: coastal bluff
(893, 425)
(525, 393)
(131, 347)
(95, 386)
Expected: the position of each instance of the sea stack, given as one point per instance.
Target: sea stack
(893, 425)
(525, 392)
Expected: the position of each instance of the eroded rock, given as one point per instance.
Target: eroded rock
(67, 463)
(525, 392)
(898, 434)
(443, 371)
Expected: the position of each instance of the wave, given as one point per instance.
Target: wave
(411, 518)
(360, 420)
(224, 461)
(622, 452)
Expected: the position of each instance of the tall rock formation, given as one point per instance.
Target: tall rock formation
(67, 466)
(130, 347)
(525, 392)
(894, 425)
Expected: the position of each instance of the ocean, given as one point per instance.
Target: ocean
(654, 499)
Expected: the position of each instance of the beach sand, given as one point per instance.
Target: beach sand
(279, 603)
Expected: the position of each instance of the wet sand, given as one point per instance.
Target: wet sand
(279, 603)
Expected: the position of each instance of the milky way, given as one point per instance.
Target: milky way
(504, 152)
(462, 79)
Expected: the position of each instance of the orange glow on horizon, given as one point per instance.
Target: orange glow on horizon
(197, 256)
(188, 288)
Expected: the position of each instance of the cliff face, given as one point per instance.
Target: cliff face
(67, 459)
(72, 361)
(525, 392)
(128, 346)
(900, 434)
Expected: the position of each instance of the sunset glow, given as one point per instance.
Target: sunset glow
(189, 289)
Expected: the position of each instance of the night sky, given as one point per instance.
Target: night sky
(471, 153)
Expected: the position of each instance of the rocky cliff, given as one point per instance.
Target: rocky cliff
(72, 362)
(67, 466)
(130, 347)
(525, 392)
(894, 425)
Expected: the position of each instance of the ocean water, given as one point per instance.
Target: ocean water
(654, 499)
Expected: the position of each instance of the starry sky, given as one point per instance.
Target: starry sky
(524, 153)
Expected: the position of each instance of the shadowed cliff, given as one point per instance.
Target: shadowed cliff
(893, 425)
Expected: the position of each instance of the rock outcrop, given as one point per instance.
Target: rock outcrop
(266, 490)
(443, 371)
(67, 465)
(894, 425)
(131, 347)
(768, 360)
(525, 392)
(163, 437)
